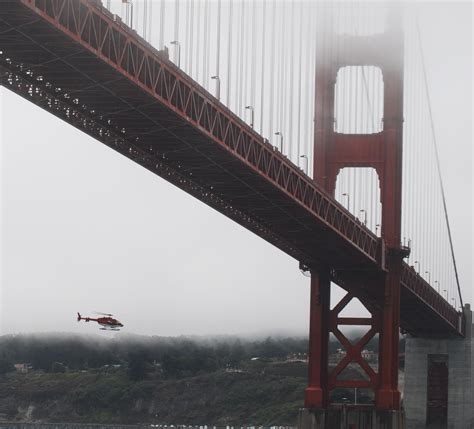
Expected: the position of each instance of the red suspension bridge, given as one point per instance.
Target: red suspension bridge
(84, 64)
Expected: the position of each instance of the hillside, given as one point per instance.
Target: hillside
(134, 379)
(268, 394)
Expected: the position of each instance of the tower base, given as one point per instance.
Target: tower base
(438, 390)
(350, 417)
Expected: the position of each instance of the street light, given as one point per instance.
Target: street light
(307, 162)
(251, 114)
(447, 293)
(127, 3)
(416, 262)
(429, 276)
(345, 194)
(218, 86)
(279, 133)
(177, 52)
(436, 281)
(377, 228)
(365, 216)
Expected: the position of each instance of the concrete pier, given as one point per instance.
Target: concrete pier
(350, 417)
(439, 380)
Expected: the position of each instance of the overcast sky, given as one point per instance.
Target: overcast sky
(85, 229)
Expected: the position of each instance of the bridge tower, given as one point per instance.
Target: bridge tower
(381, 151)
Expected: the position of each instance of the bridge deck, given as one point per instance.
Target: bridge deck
(79, 62)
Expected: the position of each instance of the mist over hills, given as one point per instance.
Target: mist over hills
(177, 354)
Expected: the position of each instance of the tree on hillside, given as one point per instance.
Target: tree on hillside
(137, 367)
(6, 366)
(58, 367)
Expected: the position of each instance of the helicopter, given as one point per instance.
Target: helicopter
(107, 323)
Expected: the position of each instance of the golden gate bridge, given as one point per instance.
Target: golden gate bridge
(298, 121)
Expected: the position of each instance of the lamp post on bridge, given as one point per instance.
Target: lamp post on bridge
(279, 133)
(251, 114)
(129, 11)
(377, 226)
(437, 282)
(447, 294)
(177, 52)
(218, 86)
(417, 271)
(345, 194)
(307, 162)
(365, 216)
(429, 276)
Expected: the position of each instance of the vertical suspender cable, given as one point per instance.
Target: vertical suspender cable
(278, 66)
(176, 21)
(229, 55)
(281, 83)
(191, 38)
(419, 129)
(241, 59)
(150, 20)
(253, 56)
(162, 24)
(288, 106)
(272, 68)
(407, 173)
(145, 19)
(238, 59)
(134, 14)
(246, 61)
(218, 39)
(306, 70)
(187, 37)
(300, 79)
(134, 6)
(198, 41)
(312, 92)
(262, 72)
(423, 213)
(205, 81)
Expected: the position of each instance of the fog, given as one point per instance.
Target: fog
(85, 229)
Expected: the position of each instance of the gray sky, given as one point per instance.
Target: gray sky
(85, 229)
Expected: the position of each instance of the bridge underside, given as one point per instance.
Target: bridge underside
(63, 74)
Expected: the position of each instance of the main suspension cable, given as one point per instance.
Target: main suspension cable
(435, 145)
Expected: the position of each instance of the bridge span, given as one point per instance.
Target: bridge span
(81, 63)
(77, 61)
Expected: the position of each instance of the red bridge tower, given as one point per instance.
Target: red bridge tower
(382, 151)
